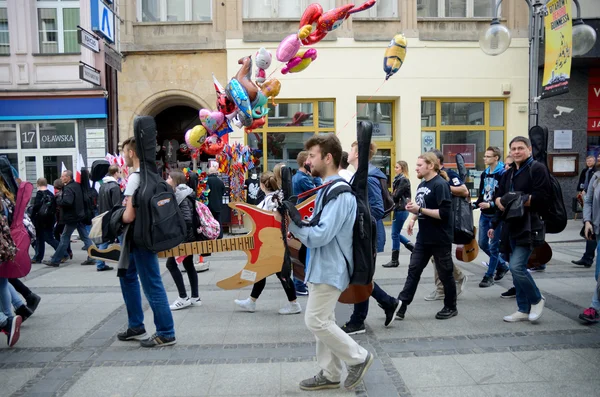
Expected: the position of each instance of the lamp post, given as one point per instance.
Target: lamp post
(496, 39)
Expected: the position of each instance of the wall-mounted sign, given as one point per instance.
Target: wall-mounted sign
(55, 138)
(427, 141)
(89, 74)
(88, 40)
(563, 139)
(103, 20)
(112, 58)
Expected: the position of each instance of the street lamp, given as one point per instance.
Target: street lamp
(496, 39)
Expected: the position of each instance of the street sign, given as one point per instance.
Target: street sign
(88, 40)
(103, 20)
(112, 58)
(89, 74)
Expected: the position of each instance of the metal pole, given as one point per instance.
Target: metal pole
(537, 15)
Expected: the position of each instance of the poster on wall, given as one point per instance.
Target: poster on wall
(427, 141)
(450, 151)
(557, 65)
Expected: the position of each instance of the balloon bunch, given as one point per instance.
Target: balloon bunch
(119, 161)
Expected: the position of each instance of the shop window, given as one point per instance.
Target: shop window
(174, 10)
(466, 127)
(8, 136)
(57, 26)
(291, 115)
(282, 9)
(455, 8)
(381, 9)
(28, 136)
(57, 135)
(380, 114)
(4, 32)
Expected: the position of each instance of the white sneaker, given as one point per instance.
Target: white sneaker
(516, 317)
(536, 310)
(246, 304)
(434, 296)
(181, 303)
(460, 287)
(196, 301)
(291, 308)
(485, 264)
(201, 267)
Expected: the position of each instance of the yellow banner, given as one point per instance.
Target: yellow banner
(557, 65)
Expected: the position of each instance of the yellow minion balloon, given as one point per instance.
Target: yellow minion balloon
(394, 55)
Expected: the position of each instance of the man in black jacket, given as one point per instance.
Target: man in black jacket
(108, 197)
(215, 195)
(584, 179)
(73, 212)
(531, 181)
(44, 222)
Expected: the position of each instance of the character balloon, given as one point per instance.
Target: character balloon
(271, 89)
(244, 77)
(289, 46)
(211, 120)
(213, 145)
(394, 55)
(301, 61)
(195, 137)
(224, 104)
(263, 60)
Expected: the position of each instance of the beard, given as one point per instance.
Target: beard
(316, 173)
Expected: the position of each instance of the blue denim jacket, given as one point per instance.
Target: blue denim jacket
(330, 242)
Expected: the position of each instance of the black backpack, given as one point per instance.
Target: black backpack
(45, 215)
(388, 200)
(554, 214)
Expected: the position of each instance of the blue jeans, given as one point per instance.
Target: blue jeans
(300, 285)
(527, 291)
(361, 310)
(145, 264)
(380, 236)
(44, 236)
(5, 301)
(65, 240)
(15, 298)
(596, 298)
(590, 249)
(490, 247)
(100, 264)
(397, 223)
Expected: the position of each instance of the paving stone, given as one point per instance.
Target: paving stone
(109, 382)
(81, 355)
(421, 372)
(13, 379)
(239, 379)
(559, 365)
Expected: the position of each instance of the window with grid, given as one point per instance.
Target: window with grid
(264, 9)
(381, 9)
(57, 26)
(288, 125)
(455, 8)
(464, 126)
(174, 10)
(4, 32)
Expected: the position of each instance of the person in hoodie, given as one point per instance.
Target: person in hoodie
(490, 179)
(186, 199)
(108, 197)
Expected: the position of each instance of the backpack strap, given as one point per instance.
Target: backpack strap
(331, 192)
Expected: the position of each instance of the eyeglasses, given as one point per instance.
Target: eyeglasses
(488, 157)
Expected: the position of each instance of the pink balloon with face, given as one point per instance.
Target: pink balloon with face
(288, 48)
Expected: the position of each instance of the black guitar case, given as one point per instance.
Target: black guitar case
(8, 176)
(99, 170)
(539, 144)
(463, 213)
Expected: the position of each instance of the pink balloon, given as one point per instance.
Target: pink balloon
(288, 48)
(211, 120)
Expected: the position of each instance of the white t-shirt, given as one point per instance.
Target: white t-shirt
(133, 182)
(347, 175)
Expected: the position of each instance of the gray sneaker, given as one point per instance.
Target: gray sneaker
(318, 382)
(434, 296)
(357, 372)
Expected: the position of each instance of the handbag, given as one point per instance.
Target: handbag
(96, 230)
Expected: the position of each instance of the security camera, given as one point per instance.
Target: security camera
(561, 110)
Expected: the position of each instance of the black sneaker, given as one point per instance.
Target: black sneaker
(354, 329)
(446, 313)
(12, 329)
(105, 268)
(24, 312)
(486, 282)
(402, 311)
(511, 293)
(88, 262)
(500, 273)
(389, 312)
(581, 262)
(51, 264)
(133, 334)
(158, 341)
(33, 300)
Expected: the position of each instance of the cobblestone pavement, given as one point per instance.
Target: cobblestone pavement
(69, 346)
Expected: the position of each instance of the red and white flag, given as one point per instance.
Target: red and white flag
(62, 168)
(80, 165)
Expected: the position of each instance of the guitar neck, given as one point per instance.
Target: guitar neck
(245, 243)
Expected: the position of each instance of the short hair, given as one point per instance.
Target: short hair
(438, 153)
(372, 149)
(591, 156)
(301, 158)
(496, 151)
(58, 184)
(131, 143)
(69, 173)
(526, 141)
(268, 179)
(344, 161)
(328, 144)
(178, 177)
(112, 170)
(41, 182)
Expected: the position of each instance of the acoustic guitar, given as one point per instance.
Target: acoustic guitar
(468, 252)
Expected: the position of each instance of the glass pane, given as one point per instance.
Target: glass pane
(175, 10)
(291, 115)
(31, 173)
(427, 141)
(462, 113)
(70, 22)
(8, 136)
(48, 30)
(471, 144)
(456, 8)
(427, 113)
(258, 8)
(150, 10)
(289, 9)
(53, 166)
(427, 8)
(4, 36)
(497, 139)
(383, 9)
(326, 114)
(284, 147)
(380, 114)
(497, 113)
(28, 136)
(59, 135)
(201, 10)
(483, 8)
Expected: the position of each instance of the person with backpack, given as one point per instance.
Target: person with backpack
(401, 196)
(328, 271)
(73, 215)
(523, 194)
(269, 185)
(109, 197)
(186, 199)
(142, 263)
(44, 217)
(490, 178)
(59, 227)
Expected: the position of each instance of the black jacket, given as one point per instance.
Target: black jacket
(582, 185)
(71, 201)
(215, 196)
(49, 221)
(109, 196)
(401, 192)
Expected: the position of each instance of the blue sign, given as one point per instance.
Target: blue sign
(103, 20)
